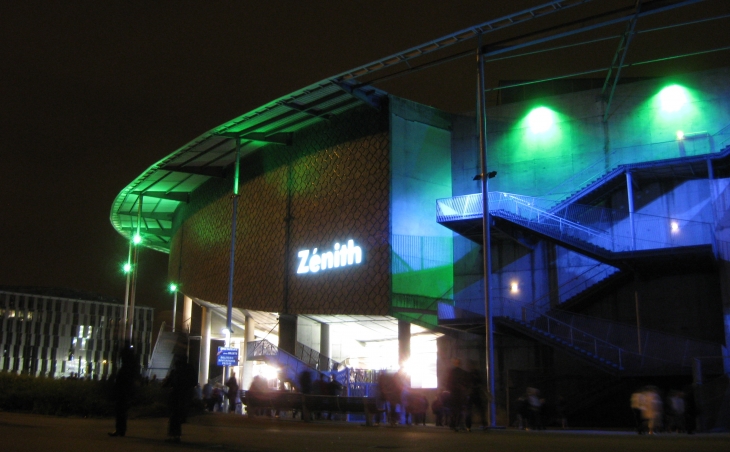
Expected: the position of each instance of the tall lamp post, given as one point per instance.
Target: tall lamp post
(136, 241)
(173, 289)
(484, 176)
(127, 268)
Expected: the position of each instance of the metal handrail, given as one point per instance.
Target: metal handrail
(597, 169)
(597, 229)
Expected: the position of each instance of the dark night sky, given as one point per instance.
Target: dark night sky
(93, 93)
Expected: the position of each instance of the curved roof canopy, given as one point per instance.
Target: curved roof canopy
(148, 203)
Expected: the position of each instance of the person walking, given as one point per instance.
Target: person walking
(458, 384)
(124, 388)
(181, 382)
(232, 385)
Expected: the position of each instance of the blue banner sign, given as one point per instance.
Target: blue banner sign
(227, 356)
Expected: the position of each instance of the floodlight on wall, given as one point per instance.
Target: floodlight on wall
(674, 227)
(540, 119)
(672, 98)
(514, 287)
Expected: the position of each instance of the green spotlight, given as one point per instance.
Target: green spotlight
(173, 287)
(540, 119)
(127, 267)
(137, 239)
(672, 98)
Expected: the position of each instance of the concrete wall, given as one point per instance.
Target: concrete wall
(577, 147)
(420, 174)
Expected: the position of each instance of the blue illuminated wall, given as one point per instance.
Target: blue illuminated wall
(566, 145)
(420, 174)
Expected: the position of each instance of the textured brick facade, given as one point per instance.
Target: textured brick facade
(332, 185)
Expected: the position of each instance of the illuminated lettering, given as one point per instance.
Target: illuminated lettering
(342, 256)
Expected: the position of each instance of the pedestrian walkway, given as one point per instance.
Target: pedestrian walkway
(229, 432)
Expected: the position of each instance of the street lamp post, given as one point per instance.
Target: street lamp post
(173, 289)
(484, 176)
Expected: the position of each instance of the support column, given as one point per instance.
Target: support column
(205, 321)
(247, 375)
(486, 240)
(288, 333)
(404, 341)
(187, 313)
(324, 346)
(630, 194)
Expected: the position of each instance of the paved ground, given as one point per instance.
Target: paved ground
(224, 433)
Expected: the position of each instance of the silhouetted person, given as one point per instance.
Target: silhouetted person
(477, 398)
(181, 381)
(535, 403)
(232, 385)
(305, 382)
(690, 410)
(458, 385)
(124, 388)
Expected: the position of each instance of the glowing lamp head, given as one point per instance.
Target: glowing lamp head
(514, 287)
(127, 267)
(680, 135)
(137, 239)
(173, 287)
(674, 226)
(672, 98)
(540, 119)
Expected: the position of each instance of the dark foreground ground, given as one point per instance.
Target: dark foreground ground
(222, 433)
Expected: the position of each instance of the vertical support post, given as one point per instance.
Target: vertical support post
(630, 194)
(121, 334)
(249, 330)
(174, 310)
(234, 214)
(638, 317)
(491, 408)
(135, 273)
(324, 346)
(205, 320)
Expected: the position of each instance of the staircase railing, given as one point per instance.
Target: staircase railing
(595, 229)
(609, 341)
(658, 344)
(290, 365)
(314, 359)
(606, 164)
(604, 351)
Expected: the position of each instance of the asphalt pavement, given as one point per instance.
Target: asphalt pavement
(235, 433)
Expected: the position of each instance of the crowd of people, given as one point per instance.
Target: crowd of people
(677, 413)
(463, 399)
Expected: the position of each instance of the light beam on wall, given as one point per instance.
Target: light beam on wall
(672, 98)
(540, 119)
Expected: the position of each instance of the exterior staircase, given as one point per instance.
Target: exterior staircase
(292, 366)
(168, 346)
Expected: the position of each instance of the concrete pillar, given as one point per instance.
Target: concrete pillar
(324, 346)
(205, 327)
(404, 341)
(187, 313)
(288, 333)
(247, 374)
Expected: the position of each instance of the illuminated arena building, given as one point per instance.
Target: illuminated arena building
(345, 226)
